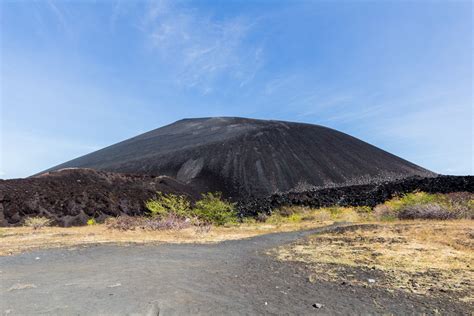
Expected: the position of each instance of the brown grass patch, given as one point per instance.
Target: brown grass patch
(422, 256)
(15, 240)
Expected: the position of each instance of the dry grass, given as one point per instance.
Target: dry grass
(420, 256)
(295, 214)
(15, 240)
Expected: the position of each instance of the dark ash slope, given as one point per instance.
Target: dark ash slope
(243, 157)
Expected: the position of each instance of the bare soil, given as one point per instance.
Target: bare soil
(232, 278)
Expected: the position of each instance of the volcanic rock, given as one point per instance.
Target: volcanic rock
(72, 196)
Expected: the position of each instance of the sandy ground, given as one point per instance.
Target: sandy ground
(230, 277)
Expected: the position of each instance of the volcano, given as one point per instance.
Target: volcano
(247, 157)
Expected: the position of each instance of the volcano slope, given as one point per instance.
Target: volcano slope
(245, 157)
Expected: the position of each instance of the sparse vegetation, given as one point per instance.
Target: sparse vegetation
(211, 209)
(417, 205)
(37, 222)
(418, 256)
(421, 205)
(124, 222)
(127, 229)
(168, 222)
(174, 212)
(298, 214)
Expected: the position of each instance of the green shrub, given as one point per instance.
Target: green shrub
(213, 209)
(37, 222)
(411, 199)
(91, 221)
(166, 204)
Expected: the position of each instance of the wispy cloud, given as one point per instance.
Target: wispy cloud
(60, 15)
(202, 50)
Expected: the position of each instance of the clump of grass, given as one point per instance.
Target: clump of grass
(202, 228)
(321, 215)
(37, 222)
(296, 214)
(91, 221)
(124, 222)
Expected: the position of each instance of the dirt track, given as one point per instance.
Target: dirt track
(233, 277)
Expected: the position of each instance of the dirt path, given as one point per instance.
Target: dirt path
(232, 277)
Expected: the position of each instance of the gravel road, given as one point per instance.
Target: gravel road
(228, 278)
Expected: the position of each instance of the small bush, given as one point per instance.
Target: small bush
(415, 198)
(461, 203)
(91, 222)
(37, 222)
(213, 209)
(421, 205)
(165, 204)
(426, 211)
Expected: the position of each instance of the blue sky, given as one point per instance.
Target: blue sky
(80, 75)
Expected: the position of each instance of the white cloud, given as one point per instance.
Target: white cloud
(201, 50)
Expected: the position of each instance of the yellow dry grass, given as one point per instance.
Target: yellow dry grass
(421, 256)
(15, 240)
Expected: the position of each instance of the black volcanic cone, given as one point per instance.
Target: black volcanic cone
(242, 157)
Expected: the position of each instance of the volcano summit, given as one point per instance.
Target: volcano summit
(246, 157)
